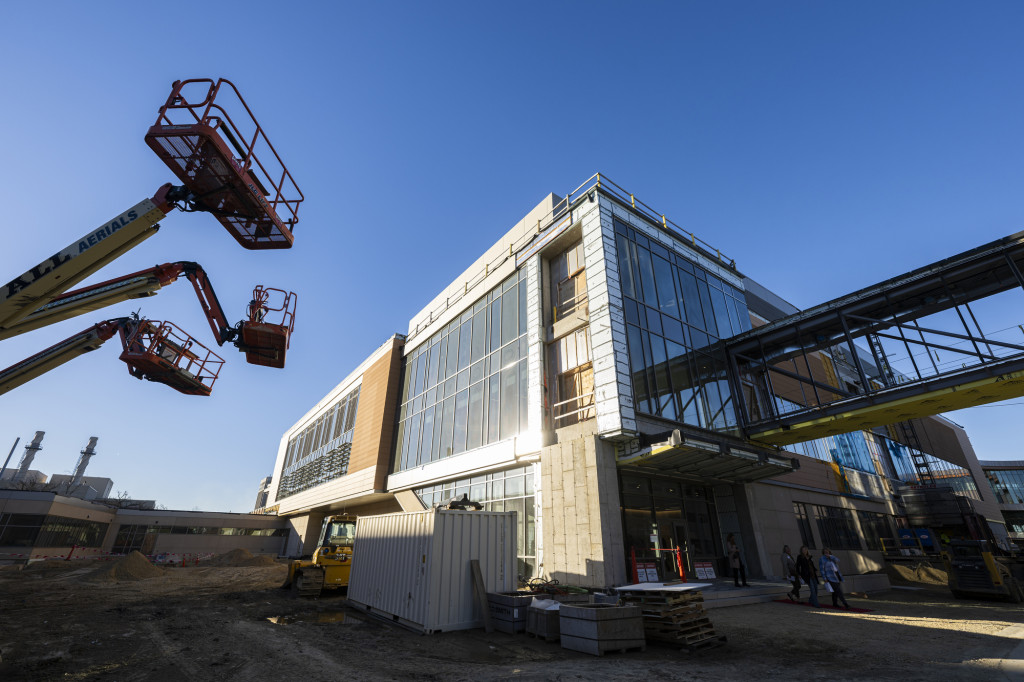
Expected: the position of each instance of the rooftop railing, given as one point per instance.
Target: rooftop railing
(564, 213)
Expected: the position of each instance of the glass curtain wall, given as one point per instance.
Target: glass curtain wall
(1007, 484)
(27, 530)
(467, 385)
(875, 454)
(675, 310)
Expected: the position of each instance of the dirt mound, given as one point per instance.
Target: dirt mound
(916, 575)
(135, 566)
(242, 557)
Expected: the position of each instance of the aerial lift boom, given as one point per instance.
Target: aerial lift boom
(156, 351)
(23, 295)
(229, 169)
(263, 337)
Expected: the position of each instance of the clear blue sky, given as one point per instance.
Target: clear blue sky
(823, 145)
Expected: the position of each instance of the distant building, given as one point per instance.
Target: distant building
(87, 488)
(39, 525)
(1006, 479)
(262, 494)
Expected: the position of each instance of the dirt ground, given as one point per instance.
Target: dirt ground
(134, 621)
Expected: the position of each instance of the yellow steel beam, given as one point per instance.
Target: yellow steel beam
(980, 392)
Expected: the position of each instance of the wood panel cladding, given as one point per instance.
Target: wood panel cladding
(374, 432)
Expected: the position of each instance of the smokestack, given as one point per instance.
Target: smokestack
(30, 453)
(83, 462)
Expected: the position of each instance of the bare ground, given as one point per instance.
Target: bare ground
(79, 621)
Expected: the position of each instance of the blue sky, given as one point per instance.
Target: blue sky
(823, 146)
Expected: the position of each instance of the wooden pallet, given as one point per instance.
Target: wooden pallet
(676, 618)
(645, 597)
(675, 615)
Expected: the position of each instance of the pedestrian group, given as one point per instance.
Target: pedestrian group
(798, 570)
(802, 569)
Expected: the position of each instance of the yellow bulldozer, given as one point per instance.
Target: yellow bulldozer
(331, 563)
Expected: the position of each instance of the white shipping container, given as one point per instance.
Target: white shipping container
(414, 567)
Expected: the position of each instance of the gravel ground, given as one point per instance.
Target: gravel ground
(81, 621)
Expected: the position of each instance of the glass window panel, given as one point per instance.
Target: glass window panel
(734, 315)
(666, 287)
(478, 491)
(453, 353)
(515, 486)
(509, 354)
(698, 339)
(519, 507)
(632, 314)
(475, 429)
(721, 314)
(654, 322)
(509, 316)
(461, 422)
(447, 426)
(421, 373)
(413, 446)
(435, 354)
(493, 408)
(435, 448)
(625, 271)
(705, 302)
(674, 330)
(531, 527)
(646, 269)
(495, 324)
(524, 397)
(427, 437)
(466, 344)
(479, 335)
(638, 368)
(691, 298)
(509, 402)
(462, 380)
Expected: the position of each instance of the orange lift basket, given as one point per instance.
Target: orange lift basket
(268, 330)
(162, 352)
(227, 164)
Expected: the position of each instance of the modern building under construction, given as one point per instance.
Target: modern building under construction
(622, 386)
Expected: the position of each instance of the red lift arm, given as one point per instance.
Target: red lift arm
(263, 337)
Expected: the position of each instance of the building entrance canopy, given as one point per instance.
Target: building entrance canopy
(706, 459)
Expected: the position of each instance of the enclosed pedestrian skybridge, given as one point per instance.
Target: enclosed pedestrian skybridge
(909, 347)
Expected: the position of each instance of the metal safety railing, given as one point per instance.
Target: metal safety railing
(245, 135)
(570, 306)
(586, 403)
(563, 213)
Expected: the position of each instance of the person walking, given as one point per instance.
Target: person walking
(828, 566)
(739, 572)
(789, 570)
(808, 573)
